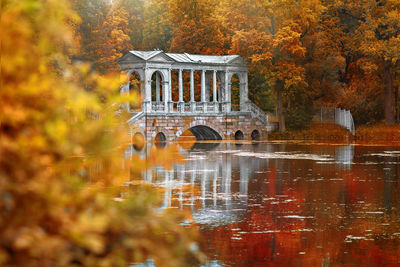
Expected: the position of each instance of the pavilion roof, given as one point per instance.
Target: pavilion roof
(186, 58)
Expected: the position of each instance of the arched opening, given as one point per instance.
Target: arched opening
(134, 89)
(210, 87)
(197, 86)
(175, 87)
(235, 93)
(160, 140)
(186, 86)
(138, 141)
(239, 135)
(156, 87)
(255, 135)
(200, 133)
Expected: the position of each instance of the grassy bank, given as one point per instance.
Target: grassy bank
(331, 133)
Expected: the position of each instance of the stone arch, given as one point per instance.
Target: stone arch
(255, 135)
(205, 133)
(157, 86)
(197, 85)
(239, 135)
(219, 127)
(160, 137)
(160, 140)
(186, 85)
(174, 86)
(138, 141)
(138, 71)
(235, 91)
(134, 87)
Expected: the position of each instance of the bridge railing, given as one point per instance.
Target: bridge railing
(186, 107)
(158, 107)
(136, 117)
(201, 108)
(257, 112)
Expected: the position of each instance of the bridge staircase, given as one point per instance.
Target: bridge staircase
(135, 117)
(258, 113)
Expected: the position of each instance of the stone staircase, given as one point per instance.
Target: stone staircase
(257, 113)
(136, 117)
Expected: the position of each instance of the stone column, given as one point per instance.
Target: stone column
(203, 90)
(147, 91)
(208, 86)
(244, 92)
(215, 99)
(170, 108)
(192, 90)
(221, 90)
(158, 92)
(215, 86)
(227, 97)
(203, 86)
(165, 95)
(181, 107)
(180, 86)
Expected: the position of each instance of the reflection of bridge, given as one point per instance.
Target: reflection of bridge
(215, 184)
(215, 100)
(210, 183)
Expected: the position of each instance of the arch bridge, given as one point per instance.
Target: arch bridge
(204, 94)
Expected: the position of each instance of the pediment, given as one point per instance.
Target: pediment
(161, 58)
(130, 58)
(237, 61)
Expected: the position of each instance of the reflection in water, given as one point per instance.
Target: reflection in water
(204, 146)
(344, 155)
(289, 205)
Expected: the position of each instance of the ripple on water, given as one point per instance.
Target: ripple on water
(294, 156)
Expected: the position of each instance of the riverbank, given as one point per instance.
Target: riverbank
(331, 133)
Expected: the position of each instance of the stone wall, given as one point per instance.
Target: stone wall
(172, 126)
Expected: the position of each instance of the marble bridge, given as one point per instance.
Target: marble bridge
(204, 94)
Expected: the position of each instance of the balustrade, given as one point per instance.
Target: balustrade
(158, 107)
(202, 107)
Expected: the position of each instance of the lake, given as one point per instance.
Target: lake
(269, 204)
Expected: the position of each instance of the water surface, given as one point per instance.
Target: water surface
(289, 205)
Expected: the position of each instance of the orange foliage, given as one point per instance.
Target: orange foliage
(59, 166)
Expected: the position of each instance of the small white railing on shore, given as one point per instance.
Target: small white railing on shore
(337, 116)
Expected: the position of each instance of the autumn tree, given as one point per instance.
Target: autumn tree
(355, 28)
(193, 27)
(276, 46)
(378, 35)
(92, 14)
(114, 38)
(157, 31)
(242, 25)
(52, 132)
(135, 10)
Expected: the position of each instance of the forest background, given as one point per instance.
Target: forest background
(302, 54)
(59, 169)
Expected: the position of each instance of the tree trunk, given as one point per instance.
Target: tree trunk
(281, 111)
(396, 101)
(389, 116)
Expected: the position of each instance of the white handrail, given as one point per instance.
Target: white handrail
(257, 112)
(136, 117)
